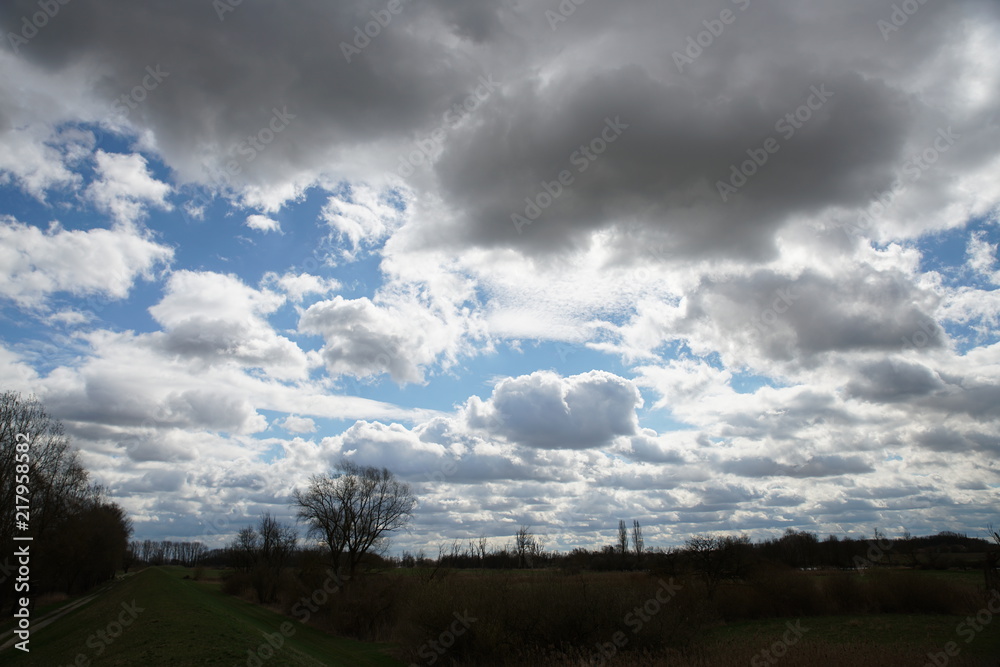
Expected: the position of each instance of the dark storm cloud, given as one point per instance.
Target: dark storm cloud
(226, 77)
(686, 130)
(561, 82)
(660, 165)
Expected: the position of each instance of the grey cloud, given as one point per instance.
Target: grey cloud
(363, 339)
(723, 498)
(226, 77)
(426, 455)
(546, 411)
(105, 398)
(796, 320)
(685, 128)
(661, 172)
(977, 399)
(784, 500)
(648, 449)
(816, 466)
(217, 340)
(949, 440)
(155, 481)
(893, 381)
(156, 448)
(899, 381)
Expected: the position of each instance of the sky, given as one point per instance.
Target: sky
(722, 267)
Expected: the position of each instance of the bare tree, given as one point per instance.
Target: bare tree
(527, 546)
(263, 552)
(80, 536)
(277, 544)
(622, 544)
(719, 558)
(638, 544)
(243, 549)
(354, 510)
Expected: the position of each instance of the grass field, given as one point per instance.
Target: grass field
(891, 639)
(162, 616)
(177, 621)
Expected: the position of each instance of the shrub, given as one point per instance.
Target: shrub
(521, 616)
(238, 584)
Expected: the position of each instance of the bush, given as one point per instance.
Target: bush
(524, 615)
(913, 593)
(238, 584)
(367, 608)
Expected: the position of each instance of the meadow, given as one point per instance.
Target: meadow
(548, 617)
(778, 615)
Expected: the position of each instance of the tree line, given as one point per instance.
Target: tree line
(164, 552)
(717, 557)
(79, 535)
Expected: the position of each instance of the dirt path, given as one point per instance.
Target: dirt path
(55, 614)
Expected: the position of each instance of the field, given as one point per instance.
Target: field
(476, 618)
(799, 618)
(158, 617)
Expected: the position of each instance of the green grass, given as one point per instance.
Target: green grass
(969, 577)
(904, 635)
(184, 622)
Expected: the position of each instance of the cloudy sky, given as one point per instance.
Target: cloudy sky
(724, 266)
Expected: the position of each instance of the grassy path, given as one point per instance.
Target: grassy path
(159, 618)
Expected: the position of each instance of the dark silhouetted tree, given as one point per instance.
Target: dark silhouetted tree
(263, 552)
(79, 534)
(354, 510)
(622, 544)
(638, 544)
